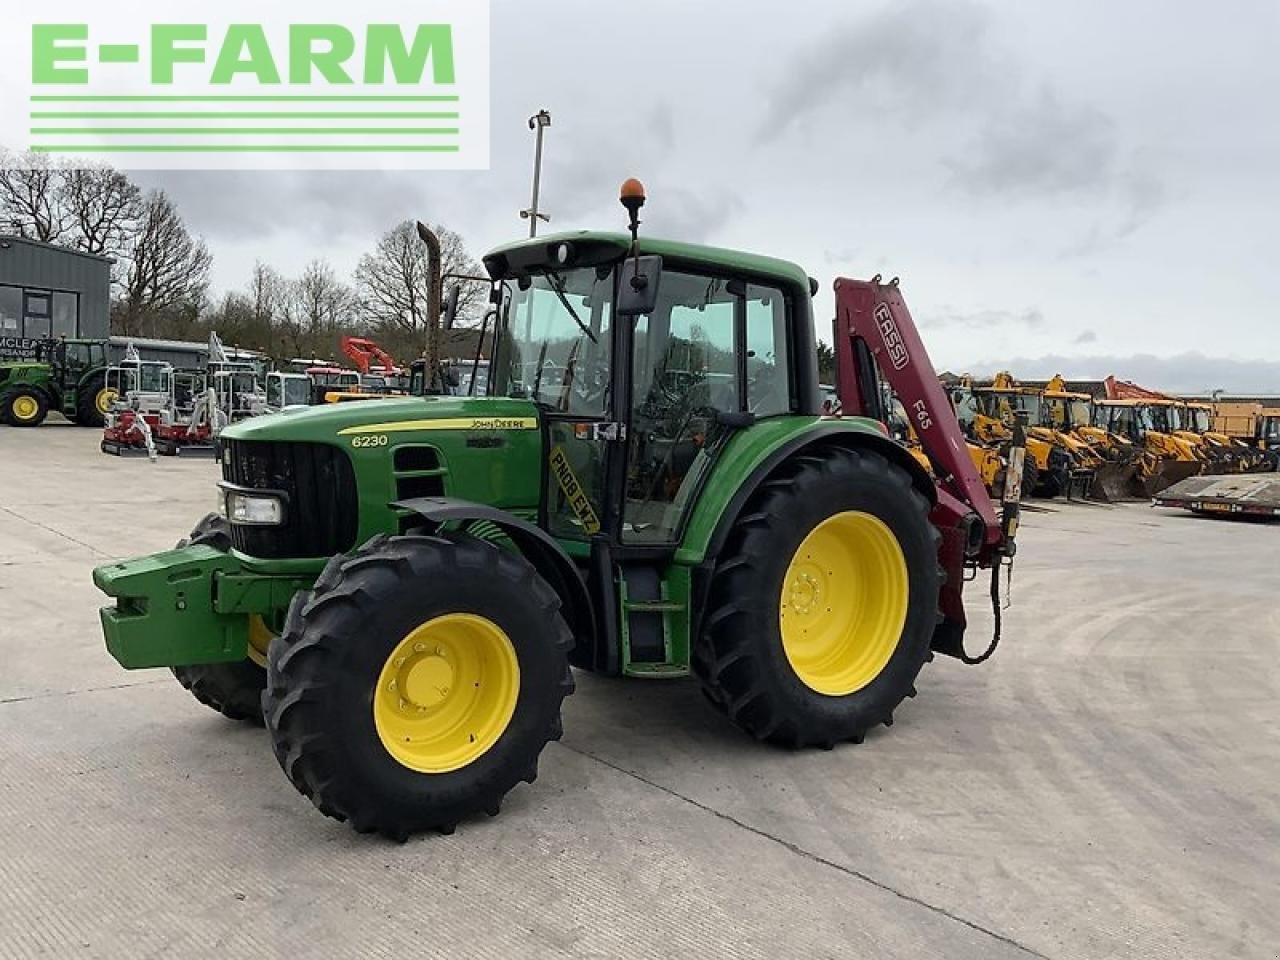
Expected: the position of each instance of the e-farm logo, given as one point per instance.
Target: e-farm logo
(311, 84)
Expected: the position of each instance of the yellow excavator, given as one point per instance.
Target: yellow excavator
(1224, 453)
(990, 463)
(1164, 458)
(1113, 459)
(988, 440)
(1063, 467)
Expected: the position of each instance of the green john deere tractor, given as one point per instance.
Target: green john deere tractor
(398, 588)
(68, 376)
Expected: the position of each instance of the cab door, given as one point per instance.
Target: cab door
(559, 352)
(710, 359)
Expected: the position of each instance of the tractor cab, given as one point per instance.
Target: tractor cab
(639, 398)
(144, 386)
(236, 390)
(1199, 418)
(327, 379)
(286, 390)
(1065, 411)
(69, 360)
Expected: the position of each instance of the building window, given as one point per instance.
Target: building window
(37, 311)
(10, 312)
(66, 314)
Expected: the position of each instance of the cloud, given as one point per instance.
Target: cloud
(1044, 145)
(250, 204)
(923, 63)
(695, 217)
(1190, 372)
(916, 58)
(1087, 336)
(948, 318)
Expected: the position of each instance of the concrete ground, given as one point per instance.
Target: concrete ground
(1107, 786)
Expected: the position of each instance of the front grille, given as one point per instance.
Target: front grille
(321, 512)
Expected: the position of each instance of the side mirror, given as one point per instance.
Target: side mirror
(638, 282)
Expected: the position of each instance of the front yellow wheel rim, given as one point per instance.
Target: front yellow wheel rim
(260, 637)
(25, 408)
(106, 396)
(844, 603)
(446, 693)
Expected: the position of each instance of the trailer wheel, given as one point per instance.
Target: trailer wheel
(93, 401)
(234, 689)
(24, 406)
(823, 604)
(417, 683)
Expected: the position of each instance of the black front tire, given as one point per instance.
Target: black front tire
(323, 673)
(13, 394)
(740, 658)
(233, 689)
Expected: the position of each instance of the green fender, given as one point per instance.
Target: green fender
(755, 453)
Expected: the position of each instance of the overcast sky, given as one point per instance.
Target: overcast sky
(1089, 188)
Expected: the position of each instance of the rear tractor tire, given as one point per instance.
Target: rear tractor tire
(417, 682)
(93, 402)
(235, 688)
(823, 603)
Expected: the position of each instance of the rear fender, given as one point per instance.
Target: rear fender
(808, 441)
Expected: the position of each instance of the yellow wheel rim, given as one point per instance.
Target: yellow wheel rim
(25, 408)
(446, 693)
(105, 397)
(260, 637)
(844, 603)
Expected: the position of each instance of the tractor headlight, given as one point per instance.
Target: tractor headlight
(260, 508)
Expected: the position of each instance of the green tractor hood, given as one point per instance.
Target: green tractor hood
(397, 419)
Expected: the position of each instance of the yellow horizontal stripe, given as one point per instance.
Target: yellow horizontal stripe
(457, 423)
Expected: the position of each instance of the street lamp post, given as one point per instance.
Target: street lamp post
(538, 123)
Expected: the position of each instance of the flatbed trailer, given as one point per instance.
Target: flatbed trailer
(1249, 494)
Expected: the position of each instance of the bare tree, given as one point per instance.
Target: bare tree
(267, 291)
(233, 320)
(168, 270)
(394, 280)
(317, 309)
(105, 209)
(32, 198)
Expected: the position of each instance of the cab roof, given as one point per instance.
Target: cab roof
(602, 246)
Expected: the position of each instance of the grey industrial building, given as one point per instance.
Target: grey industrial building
(50, 291)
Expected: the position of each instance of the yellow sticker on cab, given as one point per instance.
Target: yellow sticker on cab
(573, 492)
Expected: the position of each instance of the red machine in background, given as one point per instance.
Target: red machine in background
(875, 337)
(363, 353)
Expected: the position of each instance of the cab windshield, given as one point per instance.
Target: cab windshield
(153, 378)
(554, 345)
(1065, 413)
(1002, 406)
(1198, 419)
(1166, 419)
(1148, 420)
(288, 392)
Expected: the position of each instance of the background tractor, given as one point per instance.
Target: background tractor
(648, 489)
(68, 376)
